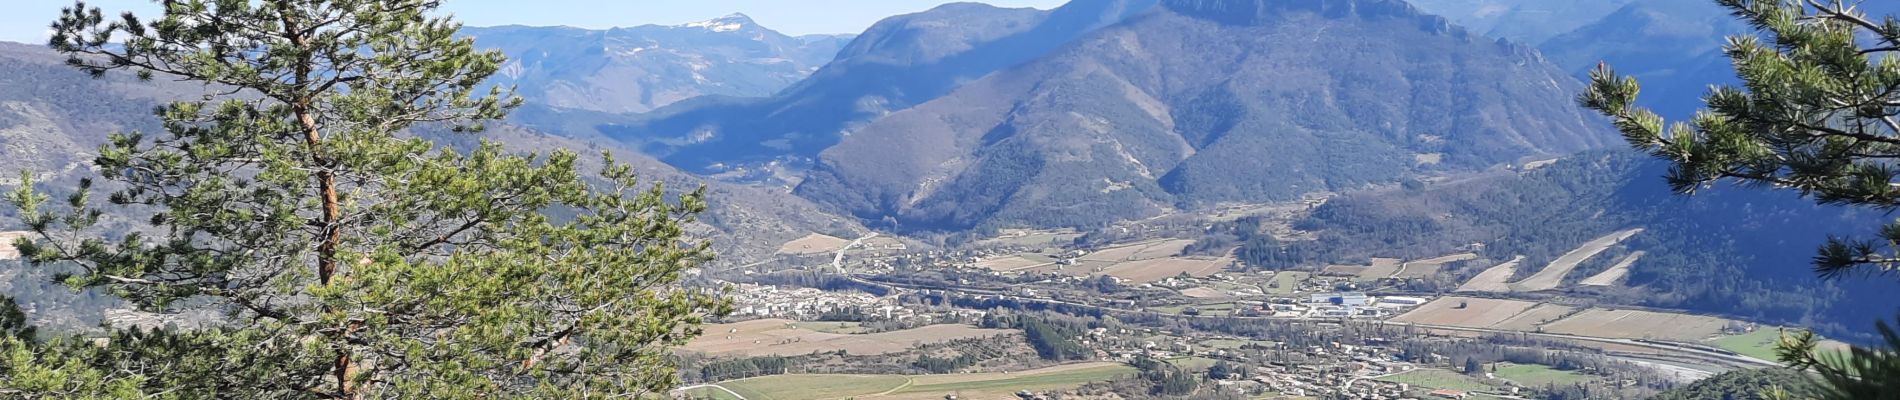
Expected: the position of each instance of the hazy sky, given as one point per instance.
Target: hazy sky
(26, 20)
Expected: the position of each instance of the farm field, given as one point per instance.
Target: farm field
(1193, 363)
(1148, 271)
(785, 337)
(920, 387)
(1439, 379)
(1430, 267)
(1530, 319)
(815, 243)
(1118, 253)
(849, 328)
(1204, 293)
(1533, 375)
(1758, 344)
(1616, 272)
(796, 387)
(1476, 313)
(1382, 268)
(1165, 248)
(1032, 238)
(1287, 282)
(1633, 324)
(1012, 263)
(1553, 275)
(1494, 279)
(1002, 386)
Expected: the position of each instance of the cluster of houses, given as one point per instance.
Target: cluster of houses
(770, 301)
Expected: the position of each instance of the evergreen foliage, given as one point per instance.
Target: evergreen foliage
(1815, 113)
(351, 260)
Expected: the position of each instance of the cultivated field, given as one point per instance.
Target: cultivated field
(1533, 375)
(1476, 312)
(1615, 273)
(1430, 267)
(1204, 293)
(786, 337)
(1031, 238)
(1140, 251)
(1286, 282)
(1166, 248)
(1382, 268)
(1632, 324)
(984, 386)
(1530, 319)
(1012, 263)
(1553, 275)
(1495, 279)
(1146, 271)
(1439, 379)
(813, 387)
(1004, 385)
(1758, 344)
(813, 244)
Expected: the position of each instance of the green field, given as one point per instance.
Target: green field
(1533, 375)
(818, 387)
(1288, 282)
(1193, 363)
(1040, 381)
(831, 327)
(1758, 344)
(1439, 379)
(709, 393)
(803, 387)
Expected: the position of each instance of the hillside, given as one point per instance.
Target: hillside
(638, 69)
(899, 62)
(1673, 46)
(1209, 101)
(52, 118)
(1737, 251)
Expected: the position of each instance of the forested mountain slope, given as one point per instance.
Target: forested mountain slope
(1731, 250)
(53, 118)
(900, 62)
(1199, 102)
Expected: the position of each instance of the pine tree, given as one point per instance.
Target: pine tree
(353, 258)
(1818, 113)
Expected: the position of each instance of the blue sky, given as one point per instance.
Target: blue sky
(26, 20)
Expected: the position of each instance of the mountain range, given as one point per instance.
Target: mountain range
(897, 63)
(638, 69)
(1194, 103)
(53, 118)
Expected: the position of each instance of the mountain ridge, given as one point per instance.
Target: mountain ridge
(897, 63)
(1184, 109)
(640, 68)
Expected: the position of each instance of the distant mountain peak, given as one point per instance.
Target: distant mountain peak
(730, 22)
